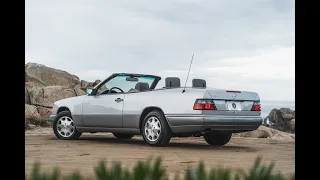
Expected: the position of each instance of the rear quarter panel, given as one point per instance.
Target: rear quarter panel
(170, 101)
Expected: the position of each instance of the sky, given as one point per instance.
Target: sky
(244, 45)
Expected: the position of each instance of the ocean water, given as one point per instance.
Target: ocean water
(267, 106)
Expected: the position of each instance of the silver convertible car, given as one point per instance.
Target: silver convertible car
(128, 104)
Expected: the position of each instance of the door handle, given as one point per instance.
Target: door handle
(118, 100)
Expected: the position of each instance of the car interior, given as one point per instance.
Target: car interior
(170, 82)
(140, 87)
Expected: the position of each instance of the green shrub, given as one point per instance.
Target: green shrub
(153, 170)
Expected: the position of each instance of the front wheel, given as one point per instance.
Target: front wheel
(155, 129)
(217, 139)
(64, 128)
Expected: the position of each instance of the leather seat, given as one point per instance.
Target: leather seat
(142, 86)
(172, 82)
(199, 83)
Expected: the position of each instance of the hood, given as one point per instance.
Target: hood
(71, 99)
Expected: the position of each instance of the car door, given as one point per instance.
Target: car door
(104, 110)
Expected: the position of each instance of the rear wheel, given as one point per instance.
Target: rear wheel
(64, 127)
(155, 129)
(217, 139)
(123, 136)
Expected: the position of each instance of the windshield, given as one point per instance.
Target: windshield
(124, 84)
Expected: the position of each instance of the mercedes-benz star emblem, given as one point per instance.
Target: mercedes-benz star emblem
(234, 105)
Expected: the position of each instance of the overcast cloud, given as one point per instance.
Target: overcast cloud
(238, 44)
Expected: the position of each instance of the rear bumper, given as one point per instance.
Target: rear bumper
(198, 123)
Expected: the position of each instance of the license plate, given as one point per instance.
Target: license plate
(234, 106)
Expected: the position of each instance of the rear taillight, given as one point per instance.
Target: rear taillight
(256, 106)
(204, 104)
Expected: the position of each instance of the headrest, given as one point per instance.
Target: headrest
(172, 82)
(142, 86)
(199, 83)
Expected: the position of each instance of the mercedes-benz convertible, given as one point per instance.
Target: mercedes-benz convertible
(128, 104)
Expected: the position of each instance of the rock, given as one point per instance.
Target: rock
(78, 86)
(266, 132)
(79, 92)
(96, 82)
(44, 86)
(255, 134)
(30, 85)
(261, 132)
(85, 84)
(287, 113)
(292, 125)
(46, 76)
(44, 112)
(46, 96)
(34, 117)
(26, 123)
(267, 123)
(31, 112)
(26, 96)
(283, 137)
(280, 119)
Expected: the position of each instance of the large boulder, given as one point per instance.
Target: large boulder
(40, 75)
(26, 123)
(32, 82)
(44, 112)
(44, 86)
(31, 112)
(283, 136)
(85, 85)
(26, 96)
(261, 132)
(266, 132)
(34, 117)
(79, 92)
(280, 119)
(46, 96)
(292, 125)
(96, 82)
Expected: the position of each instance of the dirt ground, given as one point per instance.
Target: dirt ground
(83, 154)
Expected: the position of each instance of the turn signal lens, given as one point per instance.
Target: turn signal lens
(204, 104)
(256, 106)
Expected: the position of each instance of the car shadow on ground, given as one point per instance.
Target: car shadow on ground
(171, 144)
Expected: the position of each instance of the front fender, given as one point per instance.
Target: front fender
(74, 105)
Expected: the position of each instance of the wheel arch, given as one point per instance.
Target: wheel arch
(148, 110)
(63, 108)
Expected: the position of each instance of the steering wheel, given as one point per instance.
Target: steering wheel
(116, 88)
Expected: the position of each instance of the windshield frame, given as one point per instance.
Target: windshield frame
(152, 86)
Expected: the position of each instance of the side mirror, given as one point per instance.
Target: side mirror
(89, 91)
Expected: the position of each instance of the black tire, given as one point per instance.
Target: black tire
(217, 139)
(123, 136)
(75, 134)
(165, 131)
